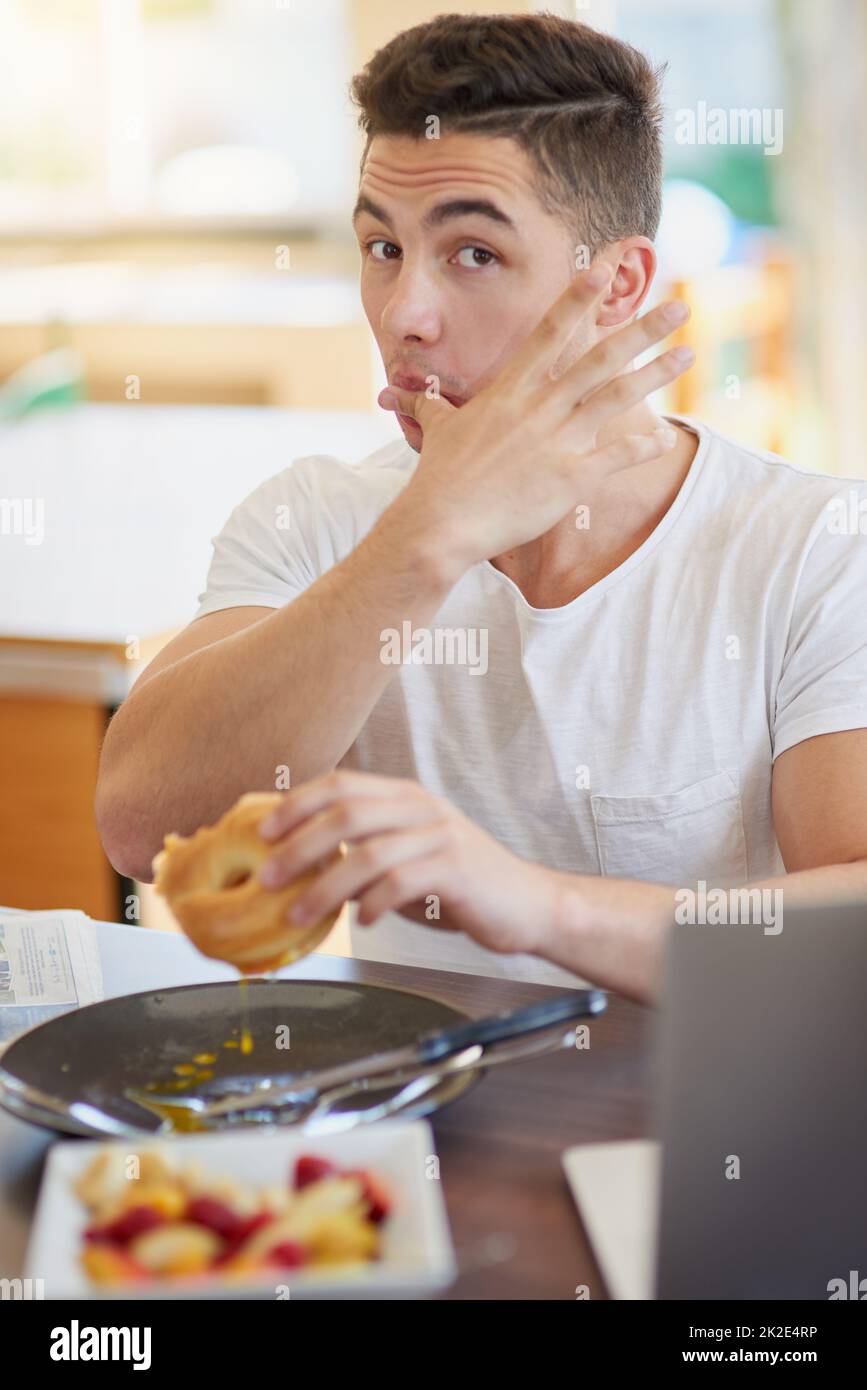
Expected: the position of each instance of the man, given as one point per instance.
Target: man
(566, 657)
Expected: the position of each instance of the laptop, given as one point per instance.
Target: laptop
(754, 1187)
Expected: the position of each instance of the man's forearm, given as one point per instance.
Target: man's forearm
(293, 689)
(615, 930)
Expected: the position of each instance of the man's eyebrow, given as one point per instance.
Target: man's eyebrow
(443, 212)
(467, 207)
(366, 204)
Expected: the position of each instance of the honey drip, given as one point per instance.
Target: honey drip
(246, 1036)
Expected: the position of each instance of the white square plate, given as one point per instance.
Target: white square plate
(417, 1253)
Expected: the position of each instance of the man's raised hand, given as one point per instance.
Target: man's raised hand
(517, 458)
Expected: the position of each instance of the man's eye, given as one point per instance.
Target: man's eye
(479, 257)
(474, 252)
(385, 256)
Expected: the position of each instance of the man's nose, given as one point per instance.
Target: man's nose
(413, 309)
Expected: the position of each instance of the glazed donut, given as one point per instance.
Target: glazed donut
(210, 882)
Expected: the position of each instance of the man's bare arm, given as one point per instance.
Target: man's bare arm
(292, 688)
(615, 930)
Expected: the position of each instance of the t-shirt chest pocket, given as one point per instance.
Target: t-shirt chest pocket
(677, 837)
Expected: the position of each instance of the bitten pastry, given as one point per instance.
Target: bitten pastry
(211, 885)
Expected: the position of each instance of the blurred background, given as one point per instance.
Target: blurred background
(179, 313)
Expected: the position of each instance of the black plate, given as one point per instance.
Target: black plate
(96, 1053)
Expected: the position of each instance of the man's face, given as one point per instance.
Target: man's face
(459, 260)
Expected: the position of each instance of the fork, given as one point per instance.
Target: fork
(464, 1046)
(309, 1105)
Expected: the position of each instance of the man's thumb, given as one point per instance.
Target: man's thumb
(416, 404)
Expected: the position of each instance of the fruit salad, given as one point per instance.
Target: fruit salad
(171, 1222)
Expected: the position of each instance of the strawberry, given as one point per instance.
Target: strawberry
(246, 1227)
(309, 1169)
(126, 1227)
(288, 1255)
(217, 1217)
(376, 1194)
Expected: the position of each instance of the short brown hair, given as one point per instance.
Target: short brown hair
(584, 106)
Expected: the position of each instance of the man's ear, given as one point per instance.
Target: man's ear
(633, 261)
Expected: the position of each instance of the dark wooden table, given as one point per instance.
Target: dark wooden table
(516, 1230)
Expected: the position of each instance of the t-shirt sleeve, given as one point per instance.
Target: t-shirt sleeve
(823, 681)
(267, 552)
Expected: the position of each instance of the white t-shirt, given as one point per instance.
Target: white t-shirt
(630, 732)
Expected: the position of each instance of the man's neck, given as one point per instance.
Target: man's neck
(621, 512)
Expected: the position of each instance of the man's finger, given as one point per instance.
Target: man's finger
(626, 391)
(614, 354)
(353, 820)
(418, 405)
(414, 886)
(552, 333)
(308, 798)
(627, 451)
(382, 858)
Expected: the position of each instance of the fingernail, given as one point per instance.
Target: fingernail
(666, 436)
(268, 827)
(676, 312)
(299, 911)
(682, 355)
(387, 400)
